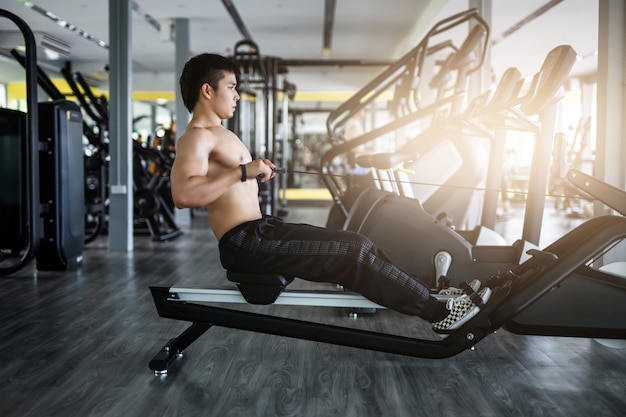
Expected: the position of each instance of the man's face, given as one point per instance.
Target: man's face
(226, 96)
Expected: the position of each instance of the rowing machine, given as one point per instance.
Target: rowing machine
(184, 304)
(514, 292)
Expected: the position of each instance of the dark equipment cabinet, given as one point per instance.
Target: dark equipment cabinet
(61, 185)
(42, 208)
(13, 235)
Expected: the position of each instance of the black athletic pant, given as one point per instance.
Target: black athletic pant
(317, 254)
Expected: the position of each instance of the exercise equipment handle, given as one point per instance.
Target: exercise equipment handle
(277, 170)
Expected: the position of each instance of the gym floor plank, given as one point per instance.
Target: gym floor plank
(78, 343)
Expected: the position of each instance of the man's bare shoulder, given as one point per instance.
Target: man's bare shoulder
(199, 135)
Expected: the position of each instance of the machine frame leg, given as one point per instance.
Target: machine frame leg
(175, 347)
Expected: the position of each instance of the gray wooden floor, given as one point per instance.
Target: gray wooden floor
(78, 344)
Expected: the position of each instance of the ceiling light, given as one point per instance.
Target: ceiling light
(63, 23)
(48, 45)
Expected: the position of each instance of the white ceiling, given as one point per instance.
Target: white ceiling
(293, 29)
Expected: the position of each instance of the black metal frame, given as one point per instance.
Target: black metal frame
(203, 317)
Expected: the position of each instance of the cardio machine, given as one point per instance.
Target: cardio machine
(430, 248)
(516, 293)
(422, 96)
(546, 283)
(517, 289)
(382, 214)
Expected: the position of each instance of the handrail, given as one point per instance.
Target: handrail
(411, 64)
(80, 96)
(606, 193)
(329, 180)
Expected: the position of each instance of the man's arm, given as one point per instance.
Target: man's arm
(191, 187)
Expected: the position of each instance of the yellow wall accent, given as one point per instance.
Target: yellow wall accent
(306, 194)
(17, 91)
(153, 95)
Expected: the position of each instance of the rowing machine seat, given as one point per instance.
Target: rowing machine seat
(259, 288)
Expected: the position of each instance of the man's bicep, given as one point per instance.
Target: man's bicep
(191, 159)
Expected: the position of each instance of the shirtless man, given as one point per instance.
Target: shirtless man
(213, 168)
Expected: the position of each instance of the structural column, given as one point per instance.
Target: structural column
(120, 129)
(610, 163)
(182, 54)
(479, 83)
(610, 155)
(481, 80)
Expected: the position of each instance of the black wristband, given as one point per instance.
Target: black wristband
(244, 174)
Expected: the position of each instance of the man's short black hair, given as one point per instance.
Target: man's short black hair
(203, 68)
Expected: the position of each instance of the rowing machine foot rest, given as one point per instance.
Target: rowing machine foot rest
(259, 288)
(481, 324)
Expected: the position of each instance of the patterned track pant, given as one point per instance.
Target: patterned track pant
(318, 254)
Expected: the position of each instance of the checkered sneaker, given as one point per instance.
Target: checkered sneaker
(462, 309)
(453, 291)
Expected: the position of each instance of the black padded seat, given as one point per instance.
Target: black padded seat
(259, 288)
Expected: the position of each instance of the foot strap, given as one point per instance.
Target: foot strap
(473, 295)
(444, 282)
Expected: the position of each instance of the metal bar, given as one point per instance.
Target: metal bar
(102, 109)
(607, 194)
(329, 23)
(535, 14)
(43, 79)
(80, 96)
(538, 178)
(334, 63)
(300, 298)
(234, 14)
(151, 20)
(175, 347)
